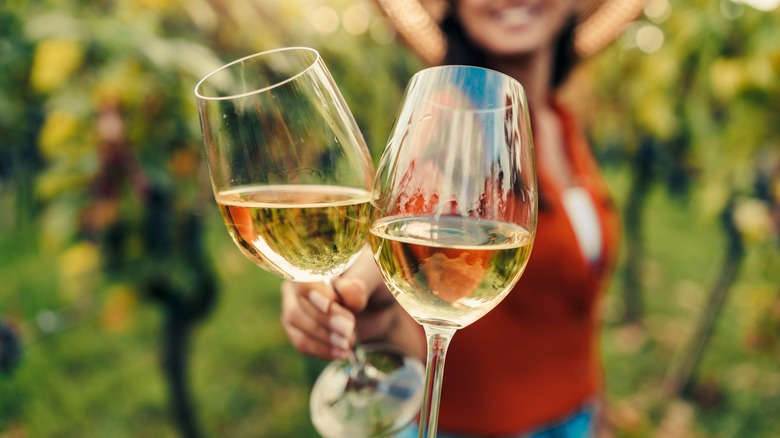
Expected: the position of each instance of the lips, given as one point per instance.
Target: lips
(516, 15)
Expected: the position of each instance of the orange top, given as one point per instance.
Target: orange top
(534, 358)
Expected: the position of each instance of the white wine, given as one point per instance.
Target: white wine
(449, 271)
(302, 232)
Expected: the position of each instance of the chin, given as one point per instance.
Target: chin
(505, 44)
(510, 50)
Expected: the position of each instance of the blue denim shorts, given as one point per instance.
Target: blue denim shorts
(580, 424)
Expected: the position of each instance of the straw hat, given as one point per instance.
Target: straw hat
(417, 22)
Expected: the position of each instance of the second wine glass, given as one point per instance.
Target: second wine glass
(290, 170)
(454, 205)
(292, 176)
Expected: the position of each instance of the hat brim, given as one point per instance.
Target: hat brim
(600, 22)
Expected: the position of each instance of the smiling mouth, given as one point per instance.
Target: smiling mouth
(516, 16)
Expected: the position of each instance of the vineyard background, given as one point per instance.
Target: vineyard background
(126, 311)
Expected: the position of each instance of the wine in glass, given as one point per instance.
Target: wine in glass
(292, 176)
(290, 171)
(454, 205)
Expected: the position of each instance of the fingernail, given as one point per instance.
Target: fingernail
(342, 325)
(339, 341)
(319, 301)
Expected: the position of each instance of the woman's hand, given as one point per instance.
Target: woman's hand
(321, 323)
(316, 322)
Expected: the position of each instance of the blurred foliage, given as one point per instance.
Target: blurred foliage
(701, 106)
(709, 97)
(101, 168)
(688, 98)
(98, 123)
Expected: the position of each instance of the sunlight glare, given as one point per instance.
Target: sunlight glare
(324, 19)
(761, 5)
(356, 19)
(649, 38)
(658, 11)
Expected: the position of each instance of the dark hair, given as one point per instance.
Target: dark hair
(461, 51)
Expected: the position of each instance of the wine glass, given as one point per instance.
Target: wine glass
(383, 397)
(292, 176)
(454, 205)
(290, 170)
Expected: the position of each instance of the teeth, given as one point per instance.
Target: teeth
(516, 16)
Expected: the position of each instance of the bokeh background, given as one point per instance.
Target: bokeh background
(126, 311)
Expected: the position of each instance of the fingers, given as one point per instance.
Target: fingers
(315, 324)
(353, 293)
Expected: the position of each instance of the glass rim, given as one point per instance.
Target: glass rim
(465, 67)
(199, 95)
(429, 70)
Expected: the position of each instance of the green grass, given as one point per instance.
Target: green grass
(88, 380)
(740, 387)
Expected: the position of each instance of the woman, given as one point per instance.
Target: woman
(530, 367)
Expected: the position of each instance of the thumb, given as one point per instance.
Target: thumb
(352, 293)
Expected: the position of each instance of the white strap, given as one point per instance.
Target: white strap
(584, 220)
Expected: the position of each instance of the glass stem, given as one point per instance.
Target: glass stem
(438, 340)
(357, 357)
